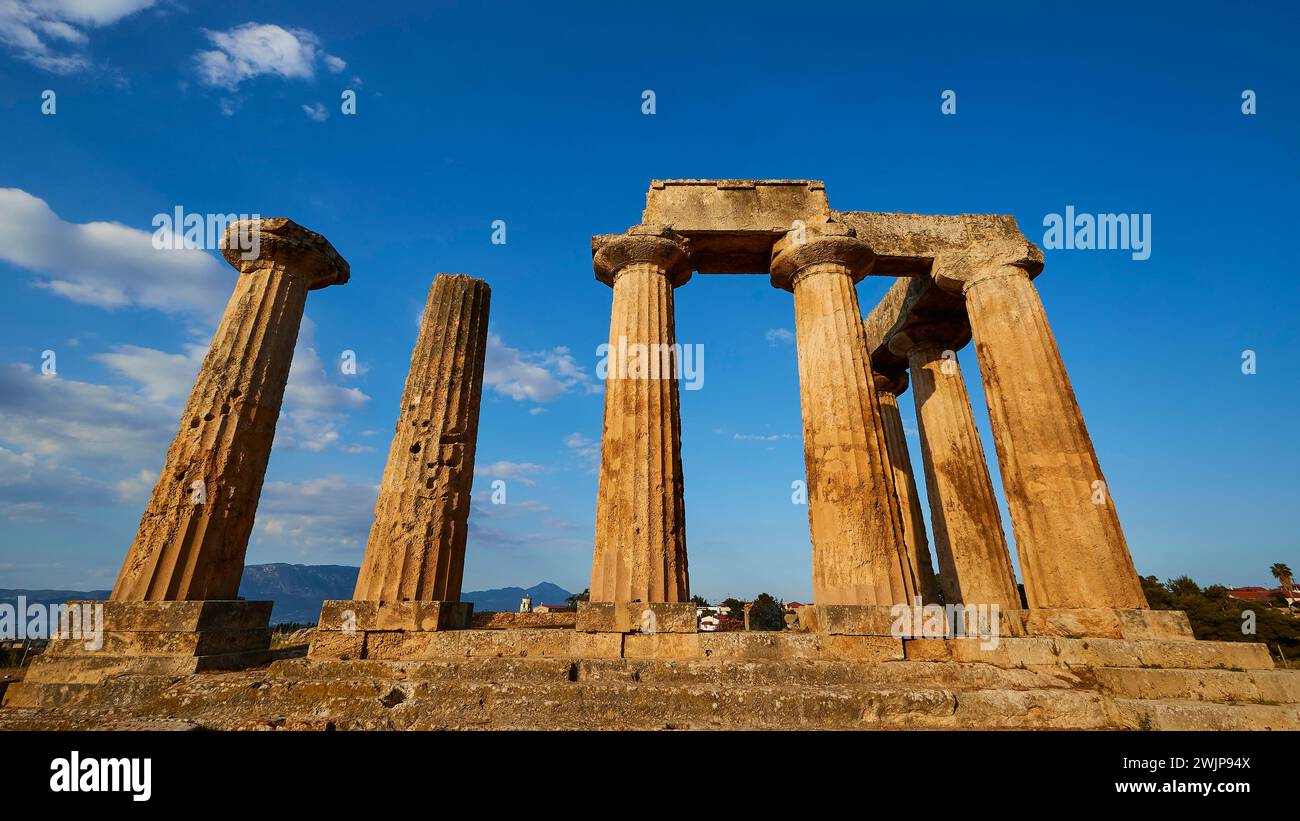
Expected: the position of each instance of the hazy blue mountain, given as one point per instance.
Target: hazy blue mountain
(299, 589)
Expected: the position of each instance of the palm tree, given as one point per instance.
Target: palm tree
(1283, 575)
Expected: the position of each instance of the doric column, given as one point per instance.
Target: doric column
(416, 550)
(859, 556)
(974, 564)
(194, 532)
(889, 384)
(640, 551)
(1072, 550)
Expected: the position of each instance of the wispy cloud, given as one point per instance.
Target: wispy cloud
(108, 264)
(51, 34)
(536, 377)
(259, 49)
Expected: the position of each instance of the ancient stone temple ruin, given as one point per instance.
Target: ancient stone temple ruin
(1081, 649)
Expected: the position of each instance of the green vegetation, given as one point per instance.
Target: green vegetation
(1217, 617)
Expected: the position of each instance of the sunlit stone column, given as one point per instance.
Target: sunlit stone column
(640, 551)
(859, 554)
(1068, 536)
(888, 387)
(974, 565)
(194, 532)
(416, 550)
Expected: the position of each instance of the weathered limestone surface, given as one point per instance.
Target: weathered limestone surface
(640, 551)
(888, 387)
(194, 532)
(859, 554)
(974, 564)
(416, 549)
(1072, 550)
(553, 679)
(732, 224)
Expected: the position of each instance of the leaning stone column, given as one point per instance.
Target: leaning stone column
(640, 552)
(410, 578)
(975, 567)
(173, 610)
(859, 556)
(888, 386)
(194, 532)
(1072, 550)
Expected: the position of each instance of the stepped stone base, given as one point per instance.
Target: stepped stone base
(923, 622)
(97, 640)
(570, 679)
(350, 629)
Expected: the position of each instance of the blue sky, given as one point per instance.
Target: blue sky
(470, 113)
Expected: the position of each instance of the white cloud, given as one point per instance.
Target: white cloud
(330, 511)
(779, 335)
(760, 437)
(315, 111)
(164, 377)
(537, 377)
(136, 488)
(314, 406)
(584, 448)
(108, 264)
(255, 49)
(519, 471)
(48, 33)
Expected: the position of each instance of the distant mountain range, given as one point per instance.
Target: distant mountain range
(299, 589)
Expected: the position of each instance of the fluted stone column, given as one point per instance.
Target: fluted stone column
(1068, 536)
(640, 550)
(416, 550)
(974, 564)
(888, 386)
(194, 532)
(859, 555)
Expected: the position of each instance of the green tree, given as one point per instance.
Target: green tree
(735, 607)
(700, 601)
(1216, 616)
(767, 613)
(573, 600)
(1283, 575)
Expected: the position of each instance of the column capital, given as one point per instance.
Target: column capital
(657, 245)
(830, 243)
(256, 244)
(890, 380)
(956, 271)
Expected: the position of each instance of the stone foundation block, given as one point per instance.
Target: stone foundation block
(98, 640)
(1108, 623)
(848, 619)
(637, 617)
(353, 629)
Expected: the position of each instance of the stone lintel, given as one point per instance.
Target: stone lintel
(732, 224)
(908, 303)
(347, 615)
(630, 617)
